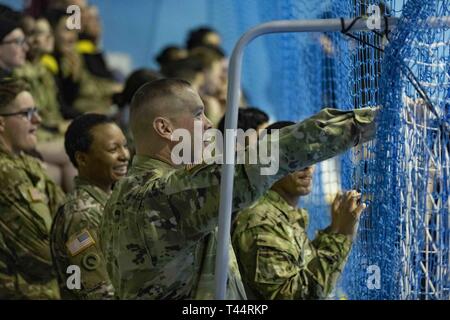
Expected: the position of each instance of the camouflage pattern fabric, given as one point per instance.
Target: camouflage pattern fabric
(74, 241)
(156, 220)
(276, 258)
(44, 91)
(28, 202)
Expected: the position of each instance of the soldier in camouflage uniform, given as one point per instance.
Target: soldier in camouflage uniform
(13, 46)
(45, 92)
(276, 258)
(159, 220)
(97, 147)
(81, 90)
(41, 80)
(28, 201)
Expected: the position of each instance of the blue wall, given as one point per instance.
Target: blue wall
(272, 64)
(140, 28)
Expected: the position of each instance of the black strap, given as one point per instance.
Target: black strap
(404, 68)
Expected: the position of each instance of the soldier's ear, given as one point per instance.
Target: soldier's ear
(80, 158)
(2, 124)
(163, 127)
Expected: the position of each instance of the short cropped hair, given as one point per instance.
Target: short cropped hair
(170, 54)
(248, 118)
(9, 89)
(143, 102)
(206, 56)
(185, 69)
(156, 89)
(134, 81)
(196, 37)
(79, 137)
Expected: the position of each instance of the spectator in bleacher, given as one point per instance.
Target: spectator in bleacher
(88, 44)
(13, 46)
(203, 36)
(98, 148)
(28, 201)
(211, 61)
(13, 63)
(248, 118)
(45, 93)
(168, 55)
(189, 69)
(81, 90)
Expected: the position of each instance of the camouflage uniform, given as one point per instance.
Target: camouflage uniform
(95, 94)
(79, 218)
(28, 201)
(157, 219)
(44, 91)
(276, 258)
(92, 93)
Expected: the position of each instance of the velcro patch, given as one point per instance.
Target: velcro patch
(35, 195)
(80, 242)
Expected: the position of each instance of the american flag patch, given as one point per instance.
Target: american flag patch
(80, 242)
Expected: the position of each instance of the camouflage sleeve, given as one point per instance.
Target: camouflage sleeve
(95, 93)
(56, 196)
(29, 269)
(27, 240)
(275, 268)
(95, 283)
(331, 251)
(24, 225)
(7, 278)
(194, 195)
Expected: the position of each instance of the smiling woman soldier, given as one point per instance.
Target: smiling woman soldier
(97, 148)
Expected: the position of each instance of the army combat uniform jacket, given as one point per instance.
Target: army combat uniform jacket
(156, 220)
(44, 90)
(276, 258)
(184, 261)
(74, 241)
(28, 201)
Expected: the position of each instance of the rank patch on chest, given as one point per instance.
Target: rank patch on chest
(80, 242)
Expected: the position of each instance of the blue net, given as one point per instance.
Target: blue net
(401, 251)
(402, 247)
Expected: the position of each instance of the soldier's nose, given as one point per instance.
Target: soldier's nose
(207, 124)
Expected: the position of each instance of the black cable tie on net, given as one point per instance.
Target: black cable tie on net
(418, 87)
(409, 74)
(364, 42)
(344, 29)
(386, 27)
